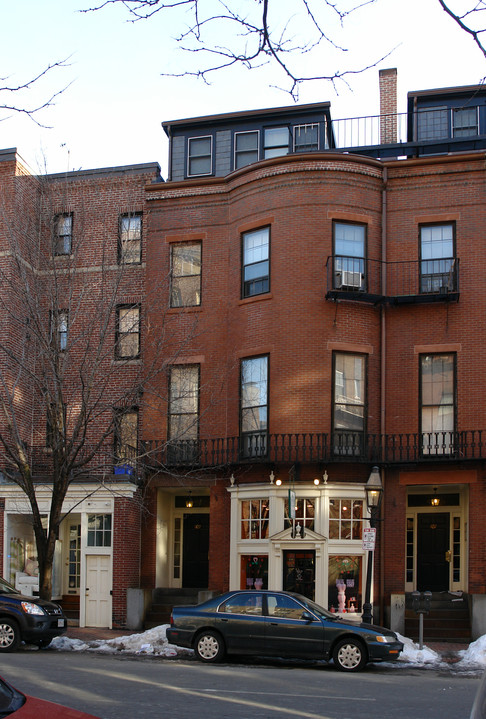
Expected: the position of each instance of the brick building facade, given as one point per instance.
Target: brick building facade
(313, 316)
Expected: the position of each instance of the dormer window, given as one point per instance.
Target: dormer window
(306, 138)
(465, 122)
(200, 156)
(246, 148)
(276, 142)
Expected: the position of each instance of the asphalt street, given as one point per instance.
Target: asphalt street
(113, 687)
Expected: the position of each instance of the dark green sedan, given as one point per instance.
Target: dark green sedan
(278, 624)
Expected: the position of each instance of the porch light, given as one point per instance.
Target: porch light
(189, 502)
(317, 481)
(435, 501)
(278, 482)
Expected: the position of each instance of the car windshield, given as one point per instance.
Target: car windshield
(10, 699)
(7, 588)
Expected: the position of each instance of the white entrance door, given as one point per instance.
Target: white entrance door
(98, 590)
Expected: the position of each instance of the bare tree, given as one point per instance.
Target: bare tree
(17, 94)
(69, 384)
(254, 33)
(471, 20)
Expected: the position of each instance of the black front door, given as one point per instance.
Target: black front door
(195, 551)
(433, 539)
(299, 572)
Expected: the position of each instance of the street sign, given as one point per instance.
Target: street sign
(369, 538)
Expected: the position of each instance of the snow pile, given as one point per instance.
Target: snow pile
(412, 654)
(474, 655)
(153, 641)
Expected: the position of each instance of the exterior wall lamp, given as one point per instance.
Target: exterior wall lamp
(374, 496)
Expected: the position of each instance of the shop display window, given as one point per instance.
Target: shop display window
(254, 571)
(344, 584)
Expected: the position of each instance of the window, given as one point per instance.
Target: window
(349, 256)
(254, 407)
(200, 161)
(437, 265)
(130, 240)
(437, 394)
(345, 519)
(349, 403)
(183, 412)
(63, 234)
(304, 513)
(185, 274)
(246, 148)
(254, 518)
(345, 578)
(256, 262)
(127, 343)
(432, 123)
(254, 571)
(276, 142)
(126, 434)
(59, 329)
(242, 604)
(99, 530)
(306, 138)
(74, 562)
(465, 121)
(284, 607)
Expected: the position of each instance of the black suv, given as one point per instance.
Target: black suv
(27, 619)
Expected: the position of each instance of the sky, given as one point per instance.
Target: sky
(117, 96)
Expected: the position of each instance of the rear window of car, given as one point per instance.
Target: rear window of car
(10, 699)
(243, 604)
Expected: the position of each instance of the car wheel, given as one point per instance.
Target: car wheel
(349, 655)
(209, 647)
(9, 635)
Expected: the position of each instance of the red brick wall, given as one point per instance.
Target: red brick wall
(126, 554)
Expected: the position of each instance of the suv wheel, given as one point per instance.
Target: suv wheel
(9, 635)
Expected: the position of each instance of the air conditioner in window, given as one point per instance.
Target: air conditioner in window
(346, 278)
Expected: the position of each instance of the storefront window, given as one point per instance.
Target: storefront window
(344, 587)
(254, 519)
(304, 513)
(345, 518)
(254, 571)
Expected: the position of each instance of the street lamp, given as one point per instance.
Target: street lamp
(374, 495)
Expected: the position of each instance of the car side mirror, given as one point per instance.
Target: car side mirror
(307, 616)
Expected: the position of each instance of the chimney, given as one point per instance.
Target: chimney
(388, 106)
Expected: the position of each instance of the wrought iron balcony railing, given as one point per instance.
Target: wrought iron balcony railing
(413, 281)
(340, 447)
(313, 448)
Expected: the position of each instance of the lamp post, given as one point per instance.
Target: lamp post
(374, 495)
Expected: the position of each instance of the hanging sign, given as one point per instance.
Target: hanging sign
(291, 504)
(369, 538)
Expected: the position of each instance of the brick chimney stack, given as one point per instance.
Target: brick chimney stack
(388, 106)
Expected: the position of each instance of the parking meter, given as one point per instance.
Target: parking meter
(421, 606)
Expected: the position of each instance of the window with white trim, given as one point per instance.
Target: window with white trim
(200, 156)
(345, 519)
(254, 518)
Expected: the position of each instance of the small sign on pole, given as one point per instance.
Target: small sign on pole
(369, 538)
